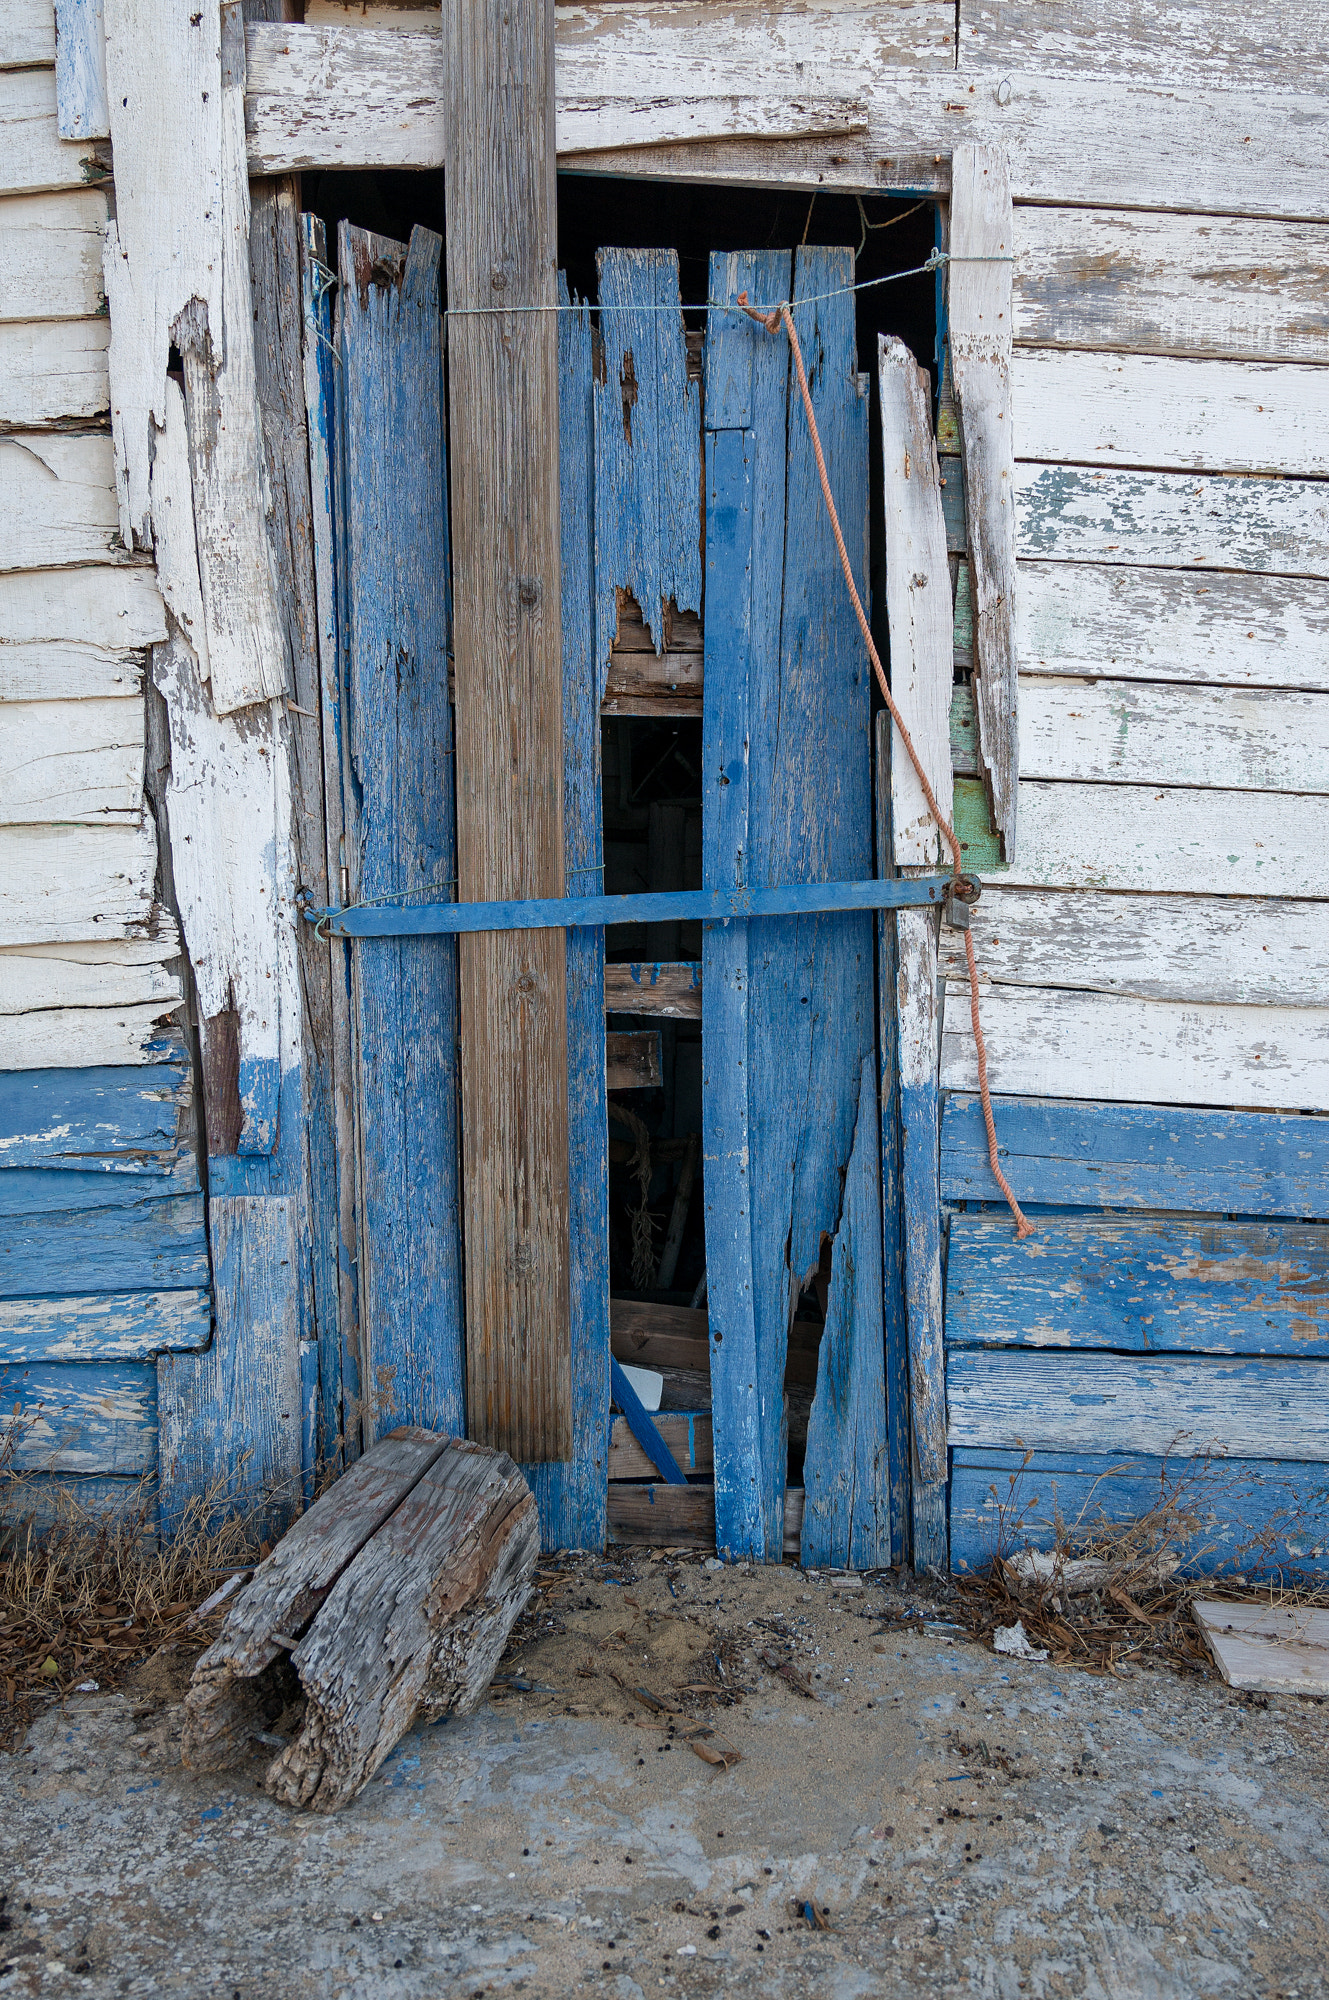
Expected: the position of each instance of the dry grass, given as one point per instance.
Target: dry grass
(1110, 1594)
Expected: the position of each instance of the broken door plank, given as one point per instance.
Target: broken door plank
(1276, 1648)
(503, 430)
(571, 1496)
(395, 641)
(979, 338)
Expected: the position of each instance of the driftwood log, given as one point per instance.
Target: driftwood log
(394, 1595)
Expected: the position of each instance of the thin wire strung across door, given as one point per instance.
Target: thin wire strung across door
(772, 322)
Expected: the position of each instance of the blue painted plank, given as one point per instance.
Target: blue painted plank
(153, 1246)
(38, 1190)
(82, 110)
(1140, 1156)
(41, 1501)
(79, 1417)
(105, 1326)
(895, 1319)
(90, 1120)
(1130, 1283)
(642, 1428)
(1012, 1399)
(916, 1019)
(231, 1418)
(847, 1492)
(647, 447)
(395, 634)
(1250, 1515)
(571, 1497)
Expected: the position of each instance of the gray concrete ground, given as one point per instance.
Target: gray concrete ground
(968, 1824)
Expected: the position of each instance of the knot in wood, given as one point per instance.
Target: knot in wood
(528, 590)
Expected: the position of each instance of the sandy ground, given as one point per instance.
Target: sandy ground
(962, 1823)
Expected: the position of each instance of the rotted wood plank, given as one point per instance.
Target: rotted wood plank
(53, 371)
(978, 306)
(114, 1326)
(109, 1120)
(80, 70)
(1163, 284)
(79, 1417)
(1254, 1516)
(1175, 519)
(79, 762)
(1150, 1286)
(672, 988)
(1158, 411)
(1053, 1042)
(1159, 1404)
(499, 151)
(1230, 950)
(158, 1244)
(400, 842)
(1139, 1156)
(84, 1037)
(632, 1060)
(1164, 625)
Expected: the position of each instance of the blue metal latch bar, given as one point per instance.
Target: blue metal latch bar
(363, 920)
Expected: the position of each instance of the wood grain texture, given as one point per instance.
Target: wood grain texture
(918, 602)
(102, 1326)
(671, 988)
(115, 609)
(1258, 1517)
(1240, 1408)
(1174, 519)
(65, 670)
(92, 1417)
(1140, 1156)
(80, 69)
(29, 34)
(1141, 1285)
(400, 842)
(571, 1497)
(33, 159)
(503, 442)
(230, 1418)
(1100, 1045)
(233, 1689)
(53, 371)
(124, 974)
(58, 495)
(1183, 415)
(917, 1024)
(80, 762)
(660, 1516)
(155, 1244)
(445, 1578)
(689, 1437)
(1277, 1648)
(978, 334)
(1194, 42)
(895, 1321)
(1230, 950)
(95, 1121)
(62, 883)
(1164, 284)
(1163, 625)
(87, 1037)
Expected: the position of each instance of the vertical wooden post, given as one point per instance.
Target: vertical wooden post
(503, 435)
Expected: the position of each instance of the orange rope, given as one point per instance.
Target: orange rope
(772, 321)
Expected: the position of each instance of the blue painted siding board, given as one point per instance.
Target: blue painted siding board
(1140, 1156)
(572, 1497)
(80, 1417)
(395, 633)
(1130, 1283)
(38, 1190)
(895, 1320)
(1253, 1515)
(153, 1246)
(48, 1500)
(109, 1326)
(94, 1120)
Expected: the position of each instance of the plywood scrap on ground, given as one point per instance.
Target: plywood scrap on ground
(393, 1595)
(1270, 1648)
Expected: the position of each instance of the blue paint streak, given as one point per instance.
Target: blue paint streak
(642, 1428)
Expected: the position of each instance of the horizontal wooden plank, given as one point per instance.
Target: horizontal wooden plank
(1167, 625)
(113, 609)
(80, 1417)
(64, 883)
(1154, 839)
(79, 761)
(53, 370)
(1243, 951)
(632, 1060)
(57, 491)
(1155, 1286)
(1043, 1042)
(1153, 1403)
(56, 1190)
(33, 158)
(688, 1435)
(66, 670)
(49, 1500)
(660, 1516)
(669, 988)
(1154, 410)
(1139, 1156)
(663, 1336)
(1252, 1516)
(1187, 42)
(128, 974)
(114, 1326)
(51, 255)
(87, 1037)
(1144, 732)
(29, 34)
(155, 1245)
(98, 1120)
(1178, 520)
(1171, 284)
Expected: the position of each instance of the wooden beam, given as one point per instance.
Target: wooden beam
(503, 391)
(641, 987)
